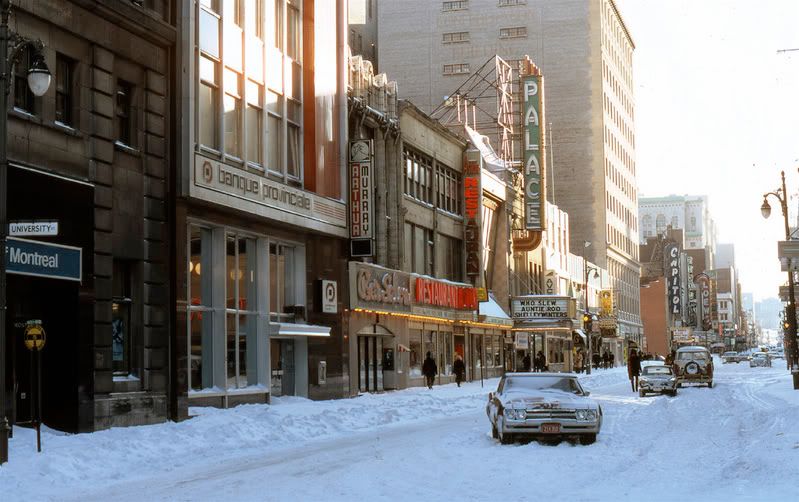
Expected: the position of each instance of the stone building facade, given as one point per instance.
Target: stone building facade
(585, 51)
(94, 154)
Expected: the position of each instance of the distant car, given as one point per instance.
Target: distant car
(543, 405)
(777, 354)
(760, 359)
(693, 364)
(732, 357)
(657, 379)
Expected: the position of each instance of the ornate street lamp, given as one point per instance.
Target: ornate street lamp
(587, 317)
(791, 347)
(39, 81)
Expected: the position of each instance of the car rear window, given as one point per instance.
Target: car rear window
(691, 355)
(657, 370)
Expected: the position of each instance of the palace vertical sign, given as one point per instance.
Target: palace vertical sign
(361, 203)
(532, 120)
(672, 255)
(472, 202)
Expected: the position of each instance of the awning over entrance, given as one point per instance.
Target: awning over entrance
(291, 329)
(491, 311)
(581, 334)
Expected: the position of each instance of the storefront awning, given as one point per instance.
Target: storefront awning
(491, 311)
(291, 329)
(581, 334)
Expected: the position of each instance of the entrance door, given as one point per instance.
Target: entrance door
(370, 363)
(282, 378)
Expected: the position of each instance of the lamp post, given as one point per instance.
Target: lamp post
(587, 311)
(790, 334)
(38, 81)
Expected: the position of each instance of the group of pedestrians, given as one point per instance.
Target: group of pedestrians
(537, 364)
(605, 360)
(430, 370)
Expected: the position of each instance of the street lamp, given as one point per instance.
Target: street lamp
(790, 334)
(39, 81)
(587, 311)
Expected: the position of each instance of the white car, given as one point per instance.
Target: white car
(760, 359)
(543, 405)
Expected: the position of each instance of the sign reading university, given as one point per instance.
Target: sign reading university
(671, 254)
(541, 307)
(41, 259)
(532, 120)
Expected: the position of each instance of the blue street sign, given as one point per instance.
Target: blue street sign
(41, 259)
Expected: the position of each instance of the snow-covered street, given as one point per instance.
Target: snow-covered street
(738, 441)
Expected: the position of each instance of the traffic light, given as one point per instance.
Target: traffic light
(587, 323)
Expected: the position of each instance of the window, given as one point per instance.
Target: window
(121, 329)
(63, 90)
(455, 5)
(24, 100)
(507, 3)
(419, 248)
(456, 37)
(418, 175)
(254, 123)
(124, 113)
(449, 252)
(232, 114)
(283, 295)
(201, 312)
(208, 100)
(416, 355)
(241, 315)
(456, 69)
(516, 32)
(449, 189)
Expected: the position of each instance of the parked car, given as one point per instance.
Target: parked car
(733, 357)
(543, 405)
(760, 359)
(693, 364)
(657, 379)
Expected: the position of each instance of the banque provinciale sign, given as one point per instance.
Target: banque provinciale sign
(264, 192)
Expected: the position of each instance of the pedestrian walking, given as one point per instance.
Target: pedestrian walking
(526, 362)
(459, 368)
(611, 359)
(429, 370)
(596, 358)
(540, 361)
(578, 361)
(605, 359)
(634, 369)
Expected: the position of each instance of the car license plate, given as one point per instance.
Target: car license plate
(550, 428)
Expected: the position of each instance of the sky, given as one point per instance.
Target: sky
(717, 113)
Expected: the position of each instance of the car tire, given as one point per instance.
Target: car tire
(587, 439)
(641, 393)
(710, 384)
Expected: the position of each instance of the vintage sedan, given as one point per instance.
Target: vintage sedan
(760, 359)
(658, 379)
(543, 405)
(732, 357)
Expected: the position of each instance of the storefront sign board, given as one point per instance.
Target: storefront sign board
(361, 203)
(473, 208)
(671, 254)
(378, 288)
(541, 307)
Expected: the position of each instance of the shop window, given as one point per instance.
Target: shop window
(477, 350)
(416, 355)
(122, 332)
(446, 354)
(240, 293)
(283, 280)
(431, 345)
(64, 90)
(200, 309)
(24, 100)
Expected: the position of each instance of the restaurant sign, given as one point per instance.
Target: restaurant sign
(542, 307)
(472, 198)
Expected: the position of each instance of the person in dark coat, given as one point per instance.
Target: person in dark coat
(429, 370)
(605, 359)
(596, 358)
(611, 359)
(634, 369)
(540, 361)
(459, 368)
(527, 362)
